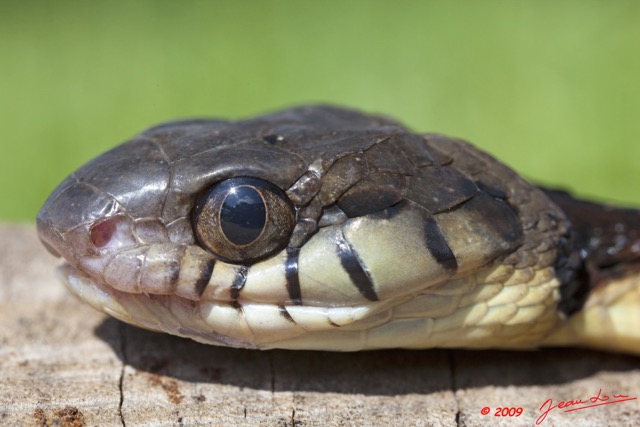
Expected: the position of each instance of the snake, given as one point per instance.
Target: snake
(325, 228)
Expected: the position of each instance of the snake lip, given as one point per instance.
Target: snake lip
(101, 296)
(118, 304)
(88, 289)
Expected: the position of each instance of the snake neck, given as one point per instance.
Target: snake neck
(603, 245)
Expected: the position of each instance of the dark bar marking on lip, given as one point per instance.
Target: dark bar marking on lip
(284, 313)
(174, 274)
(358, 274)
(238, 284)
(173, 269)
(438, 246)
(205, 276)
(291, 274)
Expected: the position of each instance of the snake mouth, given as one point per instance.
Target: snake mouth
(158, 313)
(98, 295)
(250, 325)
(104, 298)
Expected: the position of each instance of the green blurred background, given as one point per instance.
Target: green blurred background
(550, 87)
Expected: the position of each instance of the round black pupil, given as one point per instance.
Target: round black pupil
(243, 215)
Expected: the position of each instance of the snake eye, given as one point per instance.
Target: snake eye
(243, 219)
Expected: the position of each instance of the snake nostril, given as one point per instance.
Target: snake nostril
(102, 232)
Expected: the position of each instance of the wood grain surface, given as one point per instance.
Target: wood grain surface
(64, 364)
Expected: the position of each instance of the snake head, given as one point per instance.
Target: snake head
(273, 231)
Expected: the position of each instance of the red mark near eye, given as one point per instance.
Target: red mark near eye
(102, 232)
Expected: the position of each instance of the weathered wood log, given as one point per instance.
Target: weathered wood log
(64, 364)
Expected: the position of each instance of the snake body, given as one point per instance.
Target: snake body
(325, 228)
